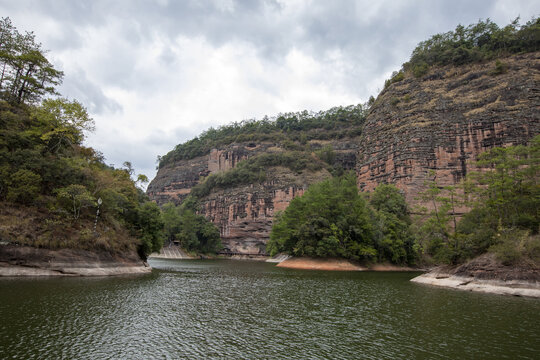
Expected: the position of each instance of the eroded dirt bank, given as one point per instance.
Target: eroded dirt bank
(333, 264)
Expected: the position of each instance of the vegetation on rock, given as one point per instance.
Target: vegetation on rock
(290, 129)
(504, 218)
(253, 170)
(476, 42)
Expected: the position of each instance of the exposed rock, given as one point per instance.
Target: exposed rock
(244, 213)
(486, 274)
(18, 260)
(170, 252)
(328, 264)
(443, 121)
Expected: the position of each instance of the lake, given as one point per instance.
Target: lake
(253, 310)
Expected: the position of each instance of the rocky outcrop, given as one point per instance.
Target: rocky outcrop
(244, 213)
(18, 260)
(442, 122)
(486, 274)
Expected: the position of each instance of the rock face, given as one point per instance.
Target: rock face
(486, 274)
(18, 260)
(243, 214)
(444, 120)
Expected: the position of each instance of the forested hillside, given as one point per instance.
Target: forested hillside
(54, 191)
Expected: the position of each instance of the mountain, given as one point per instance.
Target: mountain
(440, 121)
(462, 93)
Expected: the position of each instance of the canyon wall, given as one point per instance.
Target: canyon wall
(442, 121)
(244, 213)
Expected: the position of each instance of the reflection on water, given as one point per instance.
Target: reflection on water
(234, 309)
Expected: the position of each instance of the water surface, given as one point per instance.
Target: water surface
(248, 310)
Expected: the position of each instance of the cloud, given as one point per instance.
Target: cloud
(156, 73)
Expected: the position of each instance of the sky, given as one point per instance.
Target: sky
(154, 74)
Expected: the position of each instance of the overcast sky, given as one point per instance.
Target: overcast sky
(154, 74)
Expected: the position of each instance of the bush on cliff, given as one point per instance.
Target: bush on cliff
(504, 199)
(253, 170)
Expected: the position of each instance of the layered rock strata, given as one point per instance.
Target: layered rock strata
(486, 274)
(244, 213)
(444, 120)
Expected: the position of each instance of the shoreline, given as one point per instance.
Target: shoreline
(26, 261)
(26, 271)
(336, 264)
(486, 274)
(491, 286)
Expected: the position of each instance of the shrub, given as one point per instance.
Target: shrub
(420, 69)
(500, 68)
(24, 186)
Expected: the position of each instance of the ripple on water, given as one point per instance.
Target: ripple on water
(225, 309)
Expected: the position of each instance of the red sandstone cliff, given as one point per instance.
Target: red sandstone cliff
(244, 213)
(442, 122)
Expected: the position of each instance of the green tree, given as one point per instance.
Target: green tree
(330, 219)
(64, 123)
(393, 236)
(170, 215)
(198, 234)
(150, 227)
(74, 198)
(27, 75)
(24, 186)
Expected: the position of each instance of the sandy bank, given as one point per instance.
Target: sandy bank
(28, 261)
(486, 274)
(333, 264)
(305, 263)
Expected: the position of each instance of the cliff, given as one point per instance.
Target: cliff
(243, 213)
(443, 120)
(440, 121)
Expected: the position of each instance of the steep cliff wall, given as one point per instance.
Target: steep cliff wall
(174, 181)
(442, 122)
(244, 213)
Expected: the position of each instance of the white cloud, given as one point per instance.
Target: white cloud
(156, 74)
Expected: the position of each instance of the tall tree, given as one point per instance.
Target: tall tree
(26, 74)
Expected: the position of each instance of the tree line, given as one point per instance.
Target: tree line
(299, 127)
(484, 40)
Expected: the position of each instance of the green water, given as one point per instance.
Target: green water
(248, 310)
